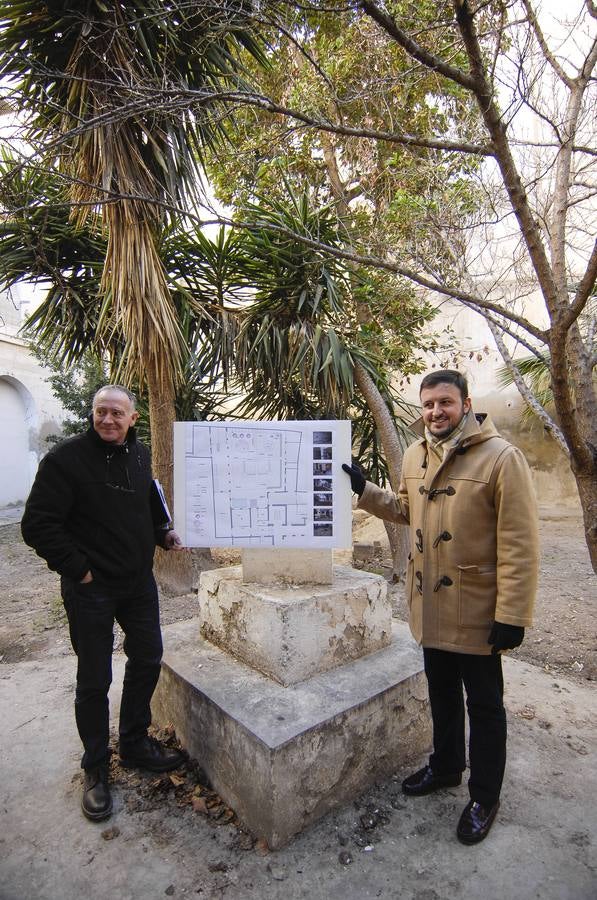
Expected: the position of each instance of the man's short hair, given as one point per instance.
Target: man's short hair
(446, 376)
(116, 387)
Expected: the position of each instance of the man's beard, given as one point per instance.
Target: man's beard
(449, 429)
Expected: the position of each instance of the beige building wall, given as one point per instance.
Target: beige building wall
(478, 358)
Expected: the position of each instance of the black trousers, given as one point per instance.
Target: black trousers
(92, 609)
(483, 682)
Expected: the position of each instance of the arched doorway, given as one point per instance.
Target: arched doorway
(16, 414)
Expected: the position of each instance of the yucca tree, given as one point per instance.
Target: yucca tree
(303, 348)
(286, 334)
(283, 337)
(266, 318)
(86, 76)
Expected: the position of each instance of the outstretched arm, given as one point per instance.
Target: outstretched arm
(373, 499)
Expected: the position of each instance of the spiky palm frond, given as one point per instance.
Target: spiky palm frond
(536, 373)
(100, 80)
(294, 330)
(41, 245)
(205, 277)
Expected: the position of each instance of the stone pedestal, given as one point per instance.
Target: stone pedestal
(309, 695)
(272, 565)
(293, 631)
(282, 757)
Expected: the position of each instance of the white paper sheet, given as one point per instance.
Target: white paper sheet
(262, 484)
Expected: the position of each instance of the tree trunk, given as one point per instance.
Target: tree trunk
(399, 542)
(397, 536)
(586, 482)
(173, 570)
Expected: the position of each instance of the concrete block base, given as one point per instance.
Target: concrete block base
(268, 565)
(291, 632)
(282, 757)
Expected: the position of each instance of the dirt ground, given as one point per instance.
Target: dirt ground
(172, 835)
(563, 640)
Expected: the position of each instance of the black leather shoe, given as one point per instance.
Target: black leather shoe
(97, 802)
(149, 754)
(425, 781)
(475, 822)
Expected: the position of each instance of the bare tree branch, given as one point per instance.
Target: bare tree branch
(524, 390)
(583, 291)
(176, 99)
(514, 335)
(563, 168)
(429, 60)
(503, 154)
(543, 44)
(546, 145)
(361, 259)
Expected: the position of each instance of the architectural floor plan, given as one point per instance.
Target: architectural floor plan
(262, 484)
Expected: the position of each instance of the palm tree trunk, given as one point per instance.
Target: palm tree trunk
(174, 571)
(397, 536)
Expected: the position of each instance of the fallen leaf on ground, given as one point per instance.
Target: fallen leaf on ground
(218, 867)
(261, 846)
(246, 841)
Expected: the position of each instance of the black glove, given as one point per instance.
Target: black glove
(357, 478)
(505, 637)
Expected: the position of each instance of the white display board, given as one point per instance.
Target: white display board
(262, 484)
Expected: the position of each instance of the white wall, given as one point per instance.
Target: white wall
(29, 413)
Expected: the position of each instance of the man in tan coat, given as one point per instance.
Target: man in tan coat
(467, 496)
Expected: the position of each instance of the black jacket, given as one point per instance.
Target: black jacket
(89, 509)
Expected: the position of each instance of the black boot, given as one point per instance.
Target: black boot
(150, 754)
(97, 801)
(425, 781)
(475, 822)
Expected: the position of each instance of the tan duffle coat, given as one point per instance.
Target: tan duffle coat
(474, 537)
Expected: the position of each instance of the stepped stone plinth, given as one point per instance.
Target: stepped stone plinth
(292, 687)
(282, 757)
(292, 631)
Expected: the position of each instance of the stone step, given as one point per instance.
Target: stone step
(282, 757)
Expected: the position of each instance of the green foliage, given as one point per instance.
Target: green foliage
(536, 373)
(348, 72)
(271, 321)
(152, 44)
(386, 199)
(40, 244)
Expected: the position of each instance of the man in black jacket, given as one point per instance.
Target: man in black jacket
(89, 516)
